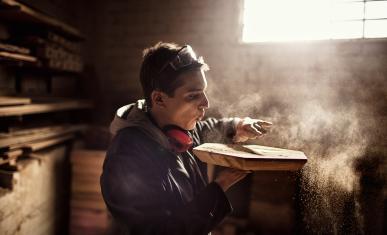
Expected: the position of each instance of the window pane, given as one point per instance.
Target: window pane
(347, 29)
(375, 10)
(375, 28)
(293, 20)
(348, 11)
(284, 20)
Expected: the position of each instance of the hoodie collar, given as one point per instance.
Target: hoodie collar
(136, 115)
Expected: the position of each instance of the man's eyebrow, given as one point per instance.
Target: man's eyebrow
(195, 89)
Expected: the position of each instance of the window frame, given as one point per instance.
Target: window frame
(362, 38)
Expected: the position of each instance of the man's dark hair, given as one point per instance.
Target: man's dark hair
(154, 59)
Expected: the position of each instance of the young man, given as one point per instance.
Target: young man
(152, 182)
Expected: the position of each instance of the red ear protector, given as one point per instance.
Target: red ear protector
(178, 138)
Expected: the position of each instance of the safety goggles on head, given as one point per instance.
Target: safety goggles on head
(184, 58)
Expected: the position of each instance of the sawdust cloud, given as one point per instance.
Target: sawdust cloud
(320, 120)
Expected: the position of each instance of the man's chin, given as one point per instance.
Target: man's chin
(191, 126)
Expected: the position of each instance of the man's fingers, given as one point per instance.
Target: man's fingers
(251, 129)
(265, 123)
(253, 132)
(260, 128)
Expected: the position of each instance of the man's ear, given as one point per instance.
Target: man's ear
(158, 98)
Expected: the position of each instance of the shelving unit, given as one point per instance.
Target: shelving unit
(44, 116)
(39, 47)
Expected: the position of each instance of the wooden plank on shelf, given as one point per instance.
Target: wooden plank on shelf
(19, 12)
(13, 131)
(14, 153)
(10, 157)
(12, 100)
(250, 157)
(4, 161)
(15, 141)
(34, 146)
(18, 57)
(43, 108)
(13, 48)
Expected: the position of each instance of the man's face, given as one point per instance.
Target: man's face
(189, 102)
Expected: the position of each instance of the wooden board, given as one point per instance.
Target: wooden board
(10, 157)
(37, 137)
(9, 100)
(43, 108)
(12, 154)
(16, 56)
(13, 48)
(250, 157)
(42, 144)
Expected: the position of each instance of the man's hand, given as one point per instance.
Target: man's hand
(248, 128)
(229, 177)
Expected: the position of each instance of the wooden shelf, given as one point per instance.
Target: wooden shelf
(43, 108)
(14, 11)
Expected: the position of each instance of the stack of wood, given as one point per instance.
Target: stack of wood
(88, 211)
(16, 143)
(60, 53)
(55, 51)
(22, 141)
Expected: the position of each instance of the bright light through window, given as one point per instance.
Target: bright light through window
(294, 20)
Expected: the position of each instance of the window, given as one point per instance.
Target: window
(293, 20)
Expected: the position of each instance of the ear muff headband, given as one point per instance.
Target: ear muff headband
(179, 138)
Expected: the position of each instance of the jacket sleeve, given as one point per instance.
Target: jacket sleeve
(136, 195)
(217, 130)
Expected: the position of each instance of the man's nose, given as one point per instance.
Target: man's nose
(205, 104)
